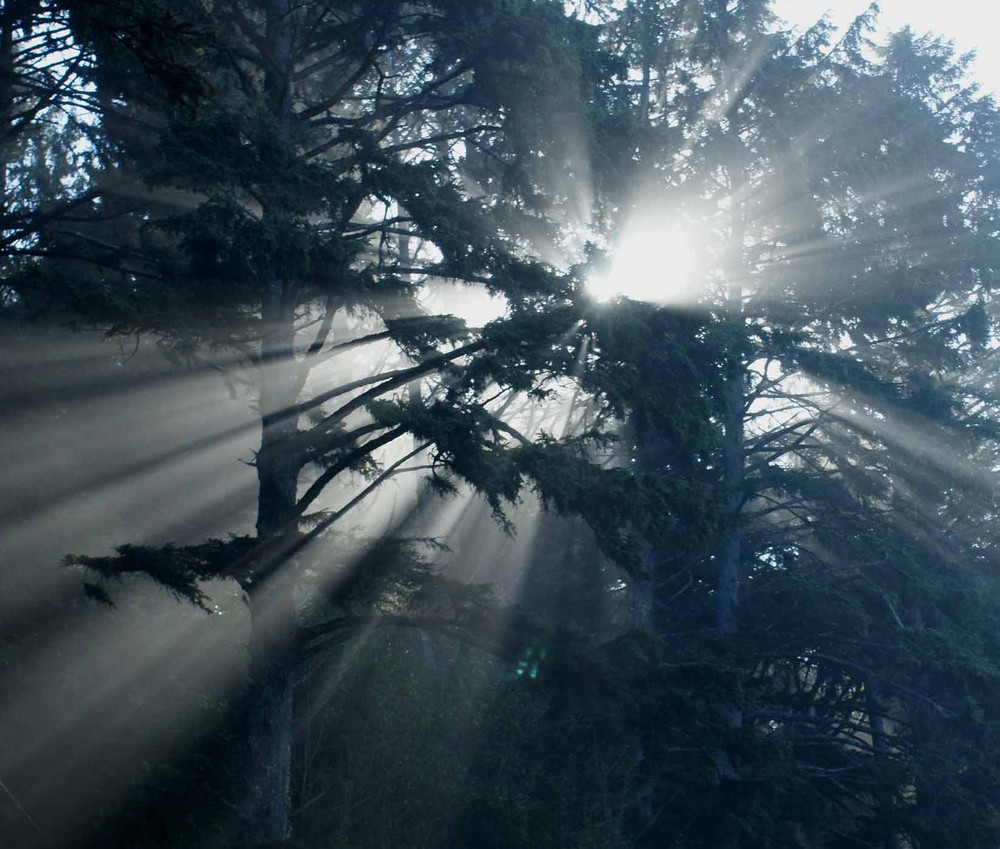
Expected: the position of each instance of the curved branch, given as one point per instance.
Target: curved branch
(398, 378)
(344, 463)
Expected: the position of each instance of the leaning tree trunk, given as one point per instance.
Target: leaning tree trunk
(272, 606)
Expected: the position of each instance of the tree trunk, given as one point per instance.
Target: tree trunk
(727, 590)
(270, 708)
(727, 587)
(272, 609)
(733, 450)
(880, 747)
(643, 603)
(272, 603)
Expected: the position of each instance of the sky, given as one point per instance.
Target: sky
(971, 24)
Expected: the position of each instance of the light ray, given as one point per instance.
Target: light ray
(656, 259)
(136, 690)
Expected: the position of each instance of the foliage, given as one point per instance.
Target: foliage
(790, 479)
(833, 196)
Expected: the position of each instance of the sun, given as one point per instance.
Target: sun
(653, 261)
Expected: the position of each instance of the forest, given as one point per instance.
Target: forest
(495, 424)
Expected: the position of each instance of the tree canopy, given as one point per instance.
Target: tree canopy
(739, 590)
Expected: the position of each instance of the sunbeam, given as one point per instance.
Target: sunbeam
(656, 259)
(434, 425)
(130, 687)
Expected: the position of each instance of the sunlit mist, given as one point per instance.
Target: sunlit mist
(473, 304)
(655, 259)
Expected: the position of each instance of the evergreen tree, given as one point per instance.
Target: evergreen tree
(835, 192)
(46, 112)
(801, 492)
(274, 173)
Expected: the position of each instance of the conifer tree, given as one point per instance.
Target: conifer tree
(46, 109)
(835, 191)
(274, 172)
(806, 445)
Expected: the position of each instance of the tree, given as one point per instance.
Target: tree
(303, 164)
(309, 173)
(45, 110)
(834, 191)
